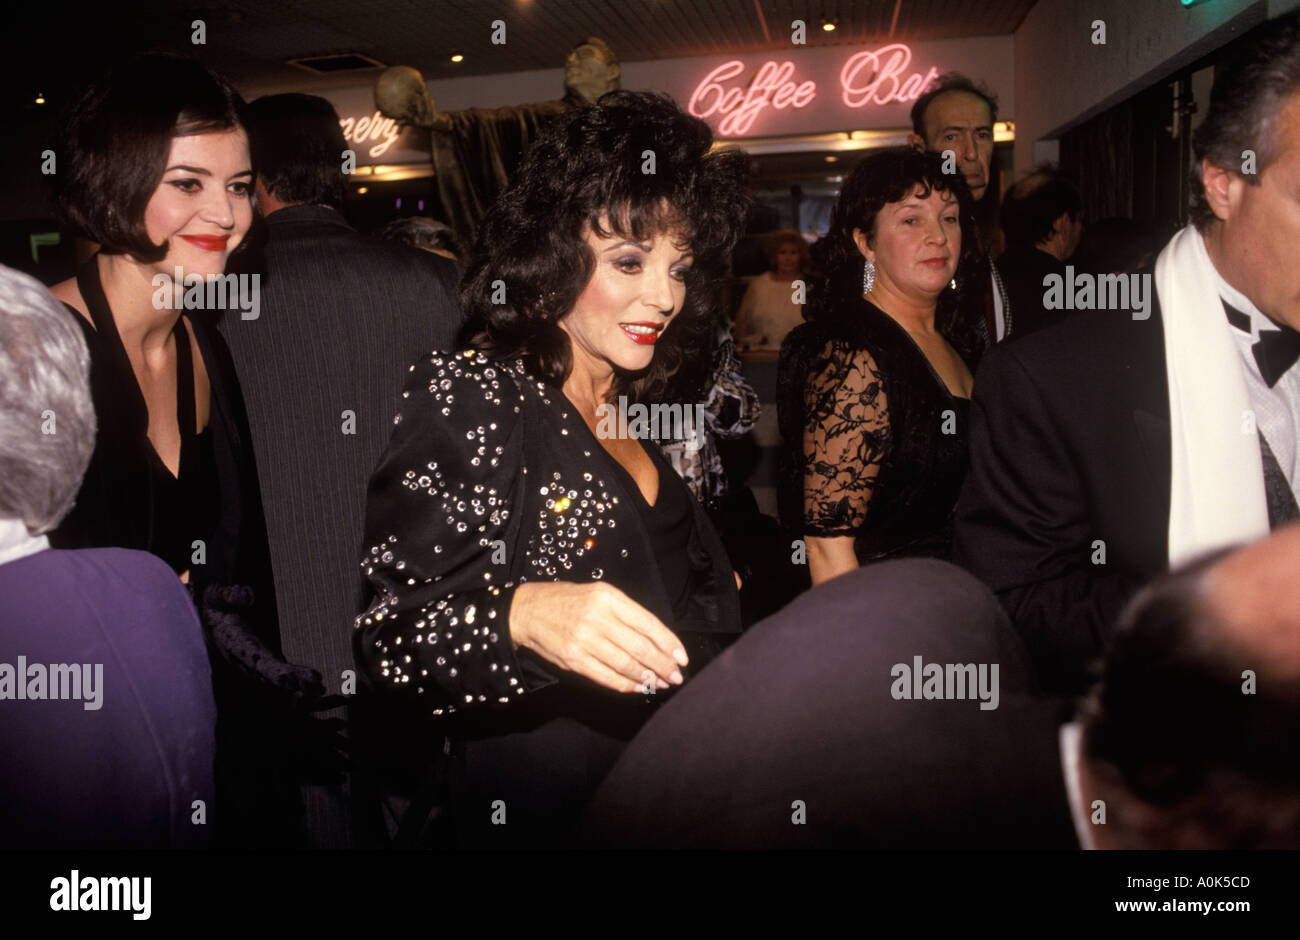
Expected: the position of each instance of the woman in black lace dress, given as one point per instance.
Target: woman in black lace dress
(873, 394)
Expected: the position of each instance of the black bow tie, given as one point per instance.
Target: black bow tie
(1276, 350)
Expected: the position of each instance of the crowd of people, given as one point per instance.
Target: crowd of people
(425, 591)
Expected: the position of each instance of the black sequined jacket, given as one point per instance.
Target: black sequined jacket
(491, 479)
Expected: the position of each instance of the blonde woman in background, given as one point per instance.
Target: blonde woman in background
(769, 310)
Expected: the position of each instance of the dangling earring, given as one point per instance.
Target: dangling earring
(953, 283)
(868, 276)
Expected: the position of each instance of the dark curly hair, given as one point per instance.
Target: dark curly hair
(116, 138)
(587, 164)
(883, 177)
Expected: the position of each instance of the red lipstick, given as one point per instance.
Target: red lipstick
(643, 334)
(208, 242)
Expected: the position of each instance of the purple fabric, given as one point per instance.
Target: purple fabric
(127, 774)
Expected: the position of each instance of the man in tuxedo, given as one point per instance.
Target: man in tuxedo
(1042, 223)
(1115, 442)
(801, 736)
(956, 115)
(342, 318)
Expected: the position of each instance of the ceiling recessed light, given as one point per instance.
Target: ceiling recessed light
(457, 57)
(829, 25)
(831, 158)
(40, 99)
(362, 190)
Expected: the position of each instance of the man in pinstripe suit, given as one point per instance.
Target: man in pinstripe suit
(342, 317)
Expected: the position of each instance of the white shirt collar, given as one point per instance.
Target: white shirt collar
(1070, 737)
(16, 542)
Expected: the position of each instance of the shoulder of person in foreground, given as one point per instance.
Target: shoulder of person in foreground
(146, 745)
(784, 725)
(122, 580)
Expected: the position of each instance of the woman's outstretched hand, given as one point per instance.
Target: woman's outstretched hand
(596, 631)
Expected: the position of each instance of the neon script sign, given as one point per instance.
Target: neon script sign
(370, 129)
(870, 77)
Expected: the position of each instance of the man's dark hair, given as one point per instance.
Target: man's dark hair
(950, 81)
(1181, 756)
(116, 138)
(588, 163)
(298, 149)
(1032, 206)
(1245, 107)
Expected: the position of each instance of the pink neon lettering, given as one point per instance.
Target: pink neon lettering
(877, 76)
(712, 86)
(771, 86)
(882, 81)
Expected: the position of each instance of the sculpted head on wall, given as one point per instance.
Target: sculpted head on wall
(400, 94)
(590, 70)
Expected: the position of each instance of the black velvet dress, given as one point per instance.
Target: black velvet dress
(875, 444)
(128, 497)
(207, 520)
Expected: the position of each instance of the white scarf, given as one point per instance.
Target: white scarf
(16, 542)
(1216, 487)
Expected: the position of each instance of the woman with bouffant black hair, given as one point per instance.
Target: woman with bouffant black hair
(873, 394)
(641, 158)
(541, 578)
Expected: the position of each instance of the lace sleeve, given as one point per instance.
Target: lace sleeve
(845, 438)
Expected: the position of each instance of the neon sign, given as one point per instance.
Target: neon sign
(895, 59)
(376, 127)
(771, 85)
(869, 77)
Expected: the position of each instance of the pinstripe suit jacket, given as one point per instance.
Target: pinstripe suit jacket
(342, 316)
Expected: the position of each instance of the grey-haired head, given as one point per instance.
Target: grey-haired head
(47, 416)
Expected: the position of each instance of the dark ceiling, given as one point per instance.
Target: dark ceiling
(59, 49)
